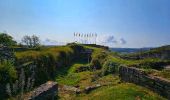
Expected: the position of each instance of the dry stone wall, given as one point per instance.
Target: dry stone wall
(139, 77)
(45, 91)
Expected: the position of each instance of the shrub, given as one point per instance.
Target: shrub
(98, 59)
(7, 72)
(7, 75)
(110, 67)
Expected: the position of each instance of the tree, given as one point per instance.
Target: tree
(31, 41)
(6, 40)
(35, 41)
(27, 40)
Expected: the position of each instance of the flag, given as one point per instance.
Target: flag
(74, 34)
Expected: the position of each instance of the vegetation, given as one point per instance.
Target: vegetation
(6, 40)
(8, 74)
(31, 41)
(124, 91)
(160, 52)
(72, 65)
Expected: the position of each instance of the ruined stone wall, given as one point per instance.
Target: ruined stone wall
(6, 54)
(137, 76)
(45, 91)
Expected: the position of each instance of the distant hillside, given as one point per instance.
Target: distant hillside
(129, 50)
(160, 52)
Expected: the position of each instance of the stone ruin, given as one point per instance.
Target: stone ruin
(45, 91)
(6, 53)
(139, 77)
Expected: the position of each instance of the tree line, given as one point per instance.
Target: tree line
(13, 81)
(28, 41)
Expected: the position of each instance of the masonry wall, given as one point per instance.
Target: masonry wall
(45, 91)
(137, 76)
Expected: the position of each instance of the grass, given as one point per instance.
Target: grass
(124, 91)
(68, 75)
(70, 79)
(152, 66)
(163, 73)
(114, 90)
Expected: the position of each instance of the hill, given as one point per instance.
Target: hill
(129, 50)
(160, 52)
(83, 71)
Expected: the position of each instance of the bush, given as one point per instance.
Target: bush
(98, 59)
(110, 67)
(7, 72)
(7, 75)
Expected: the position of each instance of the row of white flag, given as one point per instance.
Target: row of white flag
(85, 35)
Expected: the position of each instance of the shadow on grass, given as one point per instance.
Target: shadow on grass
(64, 77)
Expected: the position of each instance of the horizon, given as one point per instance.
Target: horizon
(118, 23)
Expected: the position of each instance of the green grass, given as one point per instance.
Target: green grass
(70, 79)
(67, 75)
(124, 91)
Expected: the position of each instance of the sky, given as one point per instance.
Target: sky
(118, 23)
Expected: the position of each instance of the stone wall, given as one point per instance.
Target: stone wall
(6, 54)
(45, 91)
(139, 77)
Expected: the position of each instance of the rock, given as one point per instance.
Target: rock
(71, 89)
(90, 88)
(44, 91)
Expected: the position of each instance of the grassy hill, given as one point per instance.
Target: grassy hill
(72, 66)
(160, 52)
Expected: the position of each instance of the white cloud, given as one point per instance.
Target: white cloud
(106, 39)
(52, 42)
(110, 40)
(122, 41)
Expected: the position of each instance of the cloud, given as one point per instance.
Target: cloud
(107, 39)
(110, 40)
(122, 41)
(52, 42)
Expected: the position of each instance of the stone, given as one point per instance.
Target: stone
(137, 76)
(44, 91)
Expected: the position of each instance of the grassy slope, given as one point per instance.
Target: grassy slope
(124, 91)
(112, 91)
(67, 75)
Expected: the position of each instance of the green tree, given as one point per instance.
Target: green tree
(6, 40)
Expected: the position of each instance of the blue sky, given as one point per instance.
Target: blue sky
(140, 23)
